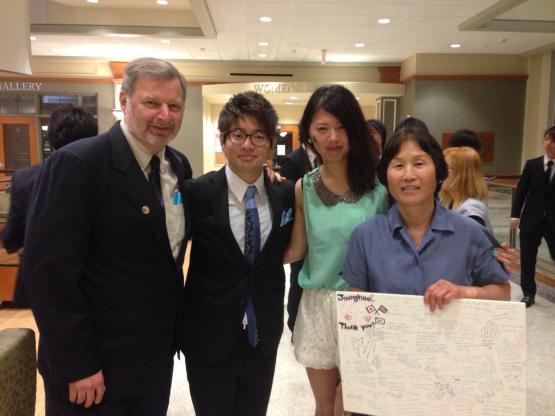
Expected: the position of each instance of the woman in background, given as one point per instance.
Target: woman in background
(378, 132)
(330, 202)
(465, 190)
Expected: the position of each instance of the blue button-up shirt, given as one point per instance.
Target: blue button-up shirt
(382, 257)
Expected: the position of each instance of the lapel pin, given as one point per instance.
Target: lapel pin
(145, 209)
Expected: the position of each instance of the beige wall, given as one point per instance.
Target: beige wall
(538, 94)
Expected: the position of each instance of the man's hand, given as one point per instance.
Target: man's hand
(272, 175)
(506, 255)
(441, 293)
(514, 223)
(88, 390)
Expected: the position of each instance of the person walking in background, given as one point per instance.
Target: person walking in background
(465, 138)
(66, 124)
(233, 307)
(534, 212)
(293, 167)
(330, 202)
(378, 132)
(104, 252)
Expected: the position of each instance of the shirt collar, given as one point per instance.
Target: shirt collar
(238, 186)
(440, 219)
(141, 153)
(545, 160)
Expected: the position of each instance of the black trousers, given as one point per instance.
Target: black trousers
(240, 386)
(529, 243)
(295, 293)
(153, 404)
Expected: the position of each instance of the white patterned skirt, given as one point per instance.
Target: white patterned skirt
(315, 333)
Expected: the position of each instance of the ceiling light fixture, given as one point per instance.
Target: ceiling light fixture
(162, 2)
(92, 1)
(288, 102)
(165, 41)
(32, 37)
(265, 19)
(262, 55)
(384, 21)
(455, 45)
(359, 45)
(293, 98)
(263, 43)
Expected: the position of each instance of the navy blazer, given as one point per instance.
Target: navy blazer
(220, 278)
(103, 283)
(21, 189)
(533, 198)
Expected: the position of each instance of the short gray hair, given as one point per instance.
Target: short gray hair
(154, 68)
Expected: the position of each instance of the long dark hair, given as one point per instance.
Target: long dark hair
(342, 104)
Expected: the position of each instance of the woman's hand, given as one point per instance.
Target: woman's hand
(441, 293)
(505, 255)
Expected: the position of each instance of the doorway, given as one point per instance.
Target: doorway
(18, 142)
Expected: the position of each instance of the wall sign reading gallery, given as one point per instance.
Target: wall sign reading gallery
(20, 86)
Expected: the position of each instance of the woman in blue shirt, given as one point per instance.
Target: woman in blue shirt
(418, 247)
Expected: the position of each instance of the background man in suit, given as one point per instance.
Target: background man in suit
(104, 252)
(293, 167)
(67, 123)
(534, 209)
(234, 291)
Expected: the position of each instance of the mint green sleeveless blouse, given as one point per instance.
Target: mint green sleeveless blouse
(328, 230)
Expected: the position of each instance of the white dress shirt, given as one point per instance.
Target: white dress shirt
(173, 200)
(545, 160)
(237, 207)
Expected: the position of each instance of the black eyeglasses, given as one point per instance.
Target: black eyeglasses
(258, 138)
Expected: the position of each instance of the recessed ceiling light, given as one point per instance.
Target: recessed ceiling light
(288, 102)
(358, 98)
(162, 2)
(265, 19)
(262, 55)
(165, 41)
(33, 37)
(92, 1)
(384, 21)
(263, 43)
(293, 98)
(359, 45)
(455, 45)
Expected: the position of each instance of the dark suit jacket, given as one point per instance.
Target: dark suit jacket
(295, 165)
(532, 197)
(103, 283)
(220, 278)
(21, 188)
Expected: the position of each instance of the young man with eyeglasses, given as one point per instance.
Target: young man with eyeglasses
(241, 223)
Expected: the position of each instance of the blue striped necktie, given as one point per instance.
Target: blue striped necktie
(252, 247)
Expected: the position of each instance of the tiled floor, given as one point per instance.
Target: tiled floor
(291, 395)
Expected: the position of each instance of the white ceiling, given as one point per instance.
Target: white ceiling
(230, 30)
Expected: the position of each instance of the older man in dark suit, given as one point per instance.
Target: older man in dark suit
(104, 254)
(66, 124)
(234, 292)
(534, 209)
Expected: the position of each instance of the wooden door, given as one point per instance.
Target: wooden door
(18, 141)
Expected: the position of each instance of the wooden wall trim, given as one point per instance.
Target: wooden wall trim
(465, 78)
(63, 80)
(390, 74)
(66, 80)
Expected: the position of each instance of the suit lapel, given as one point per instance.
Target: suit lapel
(135, 186)
(177, 165)
(276, 208)
(220, 207)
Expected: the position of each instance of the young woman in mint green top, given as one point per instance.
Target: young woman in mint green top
(328, 230)
(330, 202)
